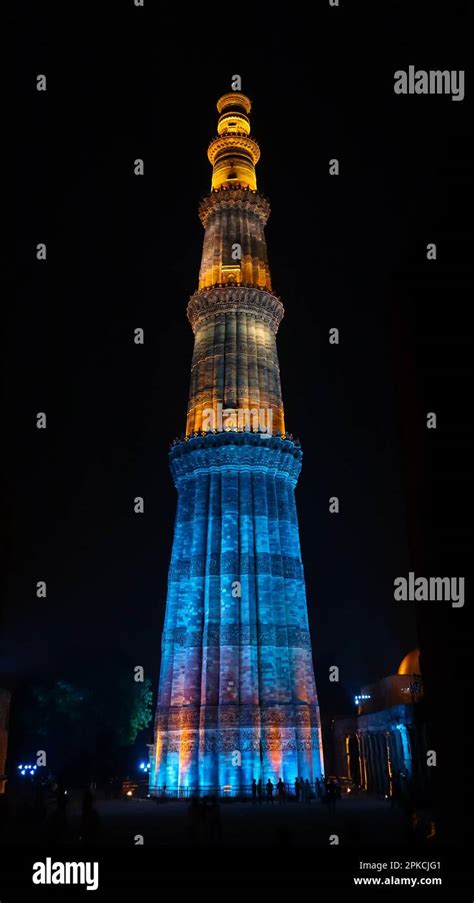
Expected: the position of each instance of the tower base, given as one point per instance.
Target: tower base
(237, 699)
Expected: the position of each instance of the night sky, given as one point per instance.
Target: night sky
(124, 251)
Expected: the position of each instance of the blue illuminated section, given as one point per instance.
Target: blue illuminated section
(237, 697)
(406, 748)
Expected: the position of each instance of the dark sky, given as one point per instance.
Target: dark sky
(125, 252)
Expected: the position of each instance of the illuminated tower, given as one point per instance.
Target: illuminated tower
(237, 696)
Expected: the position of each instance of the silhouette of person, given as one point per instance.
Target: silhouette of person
(324, 790)
(307, 792)
(297, 790)
(332, 795)
(319, 790)
(280, 790)
(260, 791)
(269, 786)
(254, 791)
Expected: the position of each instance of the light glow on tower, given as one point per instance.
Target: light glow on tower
(237, 696)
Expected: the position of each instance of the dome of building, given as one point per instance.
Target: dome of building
(411, 663)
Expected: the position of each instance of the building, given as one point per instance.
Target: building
(237, 697)
(387, 735)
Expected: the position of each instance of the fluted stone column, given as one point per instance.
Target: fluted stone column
(237, 697)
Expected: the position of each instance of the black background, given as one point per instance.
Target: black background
(124, 251)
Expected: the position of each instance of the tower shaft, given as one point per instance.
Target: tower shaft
(237, 698)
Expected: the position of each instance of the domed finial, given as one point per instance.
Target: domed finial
(234, 153)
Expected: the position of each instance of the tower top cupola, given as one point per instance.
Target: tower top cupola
(233, 153)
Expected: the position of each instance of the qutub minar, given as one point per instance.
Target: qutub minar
(237, 696)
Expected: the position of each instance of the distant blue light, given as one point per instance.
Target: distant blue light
(30, 768)
(358, 699)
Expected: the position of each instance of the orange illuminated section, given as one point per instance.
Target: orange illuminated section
(186, 748)
(234, 153)
(274, 750)
(411, 663)
(235, 376)
(234, 214)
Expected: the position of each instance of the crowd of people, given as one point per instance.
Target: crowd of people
(326, 791)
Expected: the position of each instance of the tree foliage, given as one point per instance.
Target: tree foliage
(71, 721)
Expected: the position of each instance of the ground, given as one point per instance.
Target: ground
(359, 820)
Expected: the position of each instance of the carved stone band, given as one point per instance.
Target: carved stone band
(240, 198)
(213, 301)
(235, 451)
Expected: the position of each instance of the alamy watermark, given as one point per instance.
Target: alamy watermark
(432, 81)
(49, 872)
(429, 589)
(220, 419)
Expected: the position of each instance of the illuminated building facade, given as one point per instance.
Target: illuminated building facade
(388, 734)
(237, 697)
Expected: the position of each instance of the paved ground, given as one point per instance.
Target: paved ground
(357, 821)
(241, 824)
